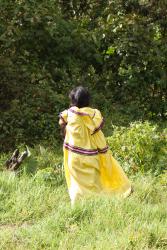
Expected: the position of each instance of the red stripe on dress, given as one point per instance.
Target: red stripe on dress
(99, 127)
(78, 151)
(103, 150)
(82, 149)
(78, 113)
(94, 115)
(61, 117)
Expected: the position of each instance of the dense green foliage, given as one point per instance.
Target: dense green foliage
(117, 48)
(140, 147)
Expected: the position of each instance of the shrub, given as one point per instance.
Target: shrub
(51, 176)
(116, 48)
(139, 147)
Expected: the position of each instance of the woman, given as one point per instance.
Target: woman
(89, 164)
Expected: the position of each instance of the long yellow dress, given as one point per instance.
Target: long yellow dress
(88, 162)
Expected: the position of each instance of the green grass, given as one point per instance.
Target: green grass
(37, 215)
(35, 210)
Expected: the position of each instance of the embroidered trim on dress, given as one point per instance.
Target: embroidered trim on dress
(103, 150)
(94, 115)
(61, 117)
(99, 127)
(83, 151)
(80, 150)
(78, 113)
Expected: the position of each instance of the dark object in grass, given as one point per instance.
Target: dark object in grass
(16, 159)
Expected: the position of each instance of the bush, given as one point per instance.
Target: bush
(139, 147)
(49, 46)
(51, 176)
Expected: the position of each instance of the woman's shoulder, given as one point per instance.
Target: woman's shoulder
(86, 111)
(97, 113)
(63, 113)
(63, 116)
(90, 111)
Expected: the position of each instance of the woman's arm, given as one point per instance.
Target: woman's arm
(63, 129)
(63, 122)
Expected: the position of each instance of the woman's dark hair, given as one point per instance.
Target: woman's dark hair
(79, 97)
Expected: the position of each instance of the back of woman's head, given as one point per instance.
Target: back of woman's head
(79, 97)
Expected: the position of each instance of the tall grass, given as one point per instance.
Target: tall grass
(39, 216)
(35, 210)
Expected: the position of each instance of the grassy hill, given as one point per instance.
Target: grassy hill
(35, 215)
(35, 210)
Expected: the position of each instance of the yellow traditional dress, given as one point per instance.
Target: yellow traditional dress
(89, 164)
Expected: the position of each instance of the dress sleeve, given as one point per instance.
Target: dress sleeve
(63, 117)
(94, 122)
(98, 121)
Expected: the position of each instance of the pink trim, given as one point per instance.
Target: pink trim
(83, 151)
(99, 127)
(78, 113)
(61, 117)
(80, 150)
(94, 114)
(103, 150)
